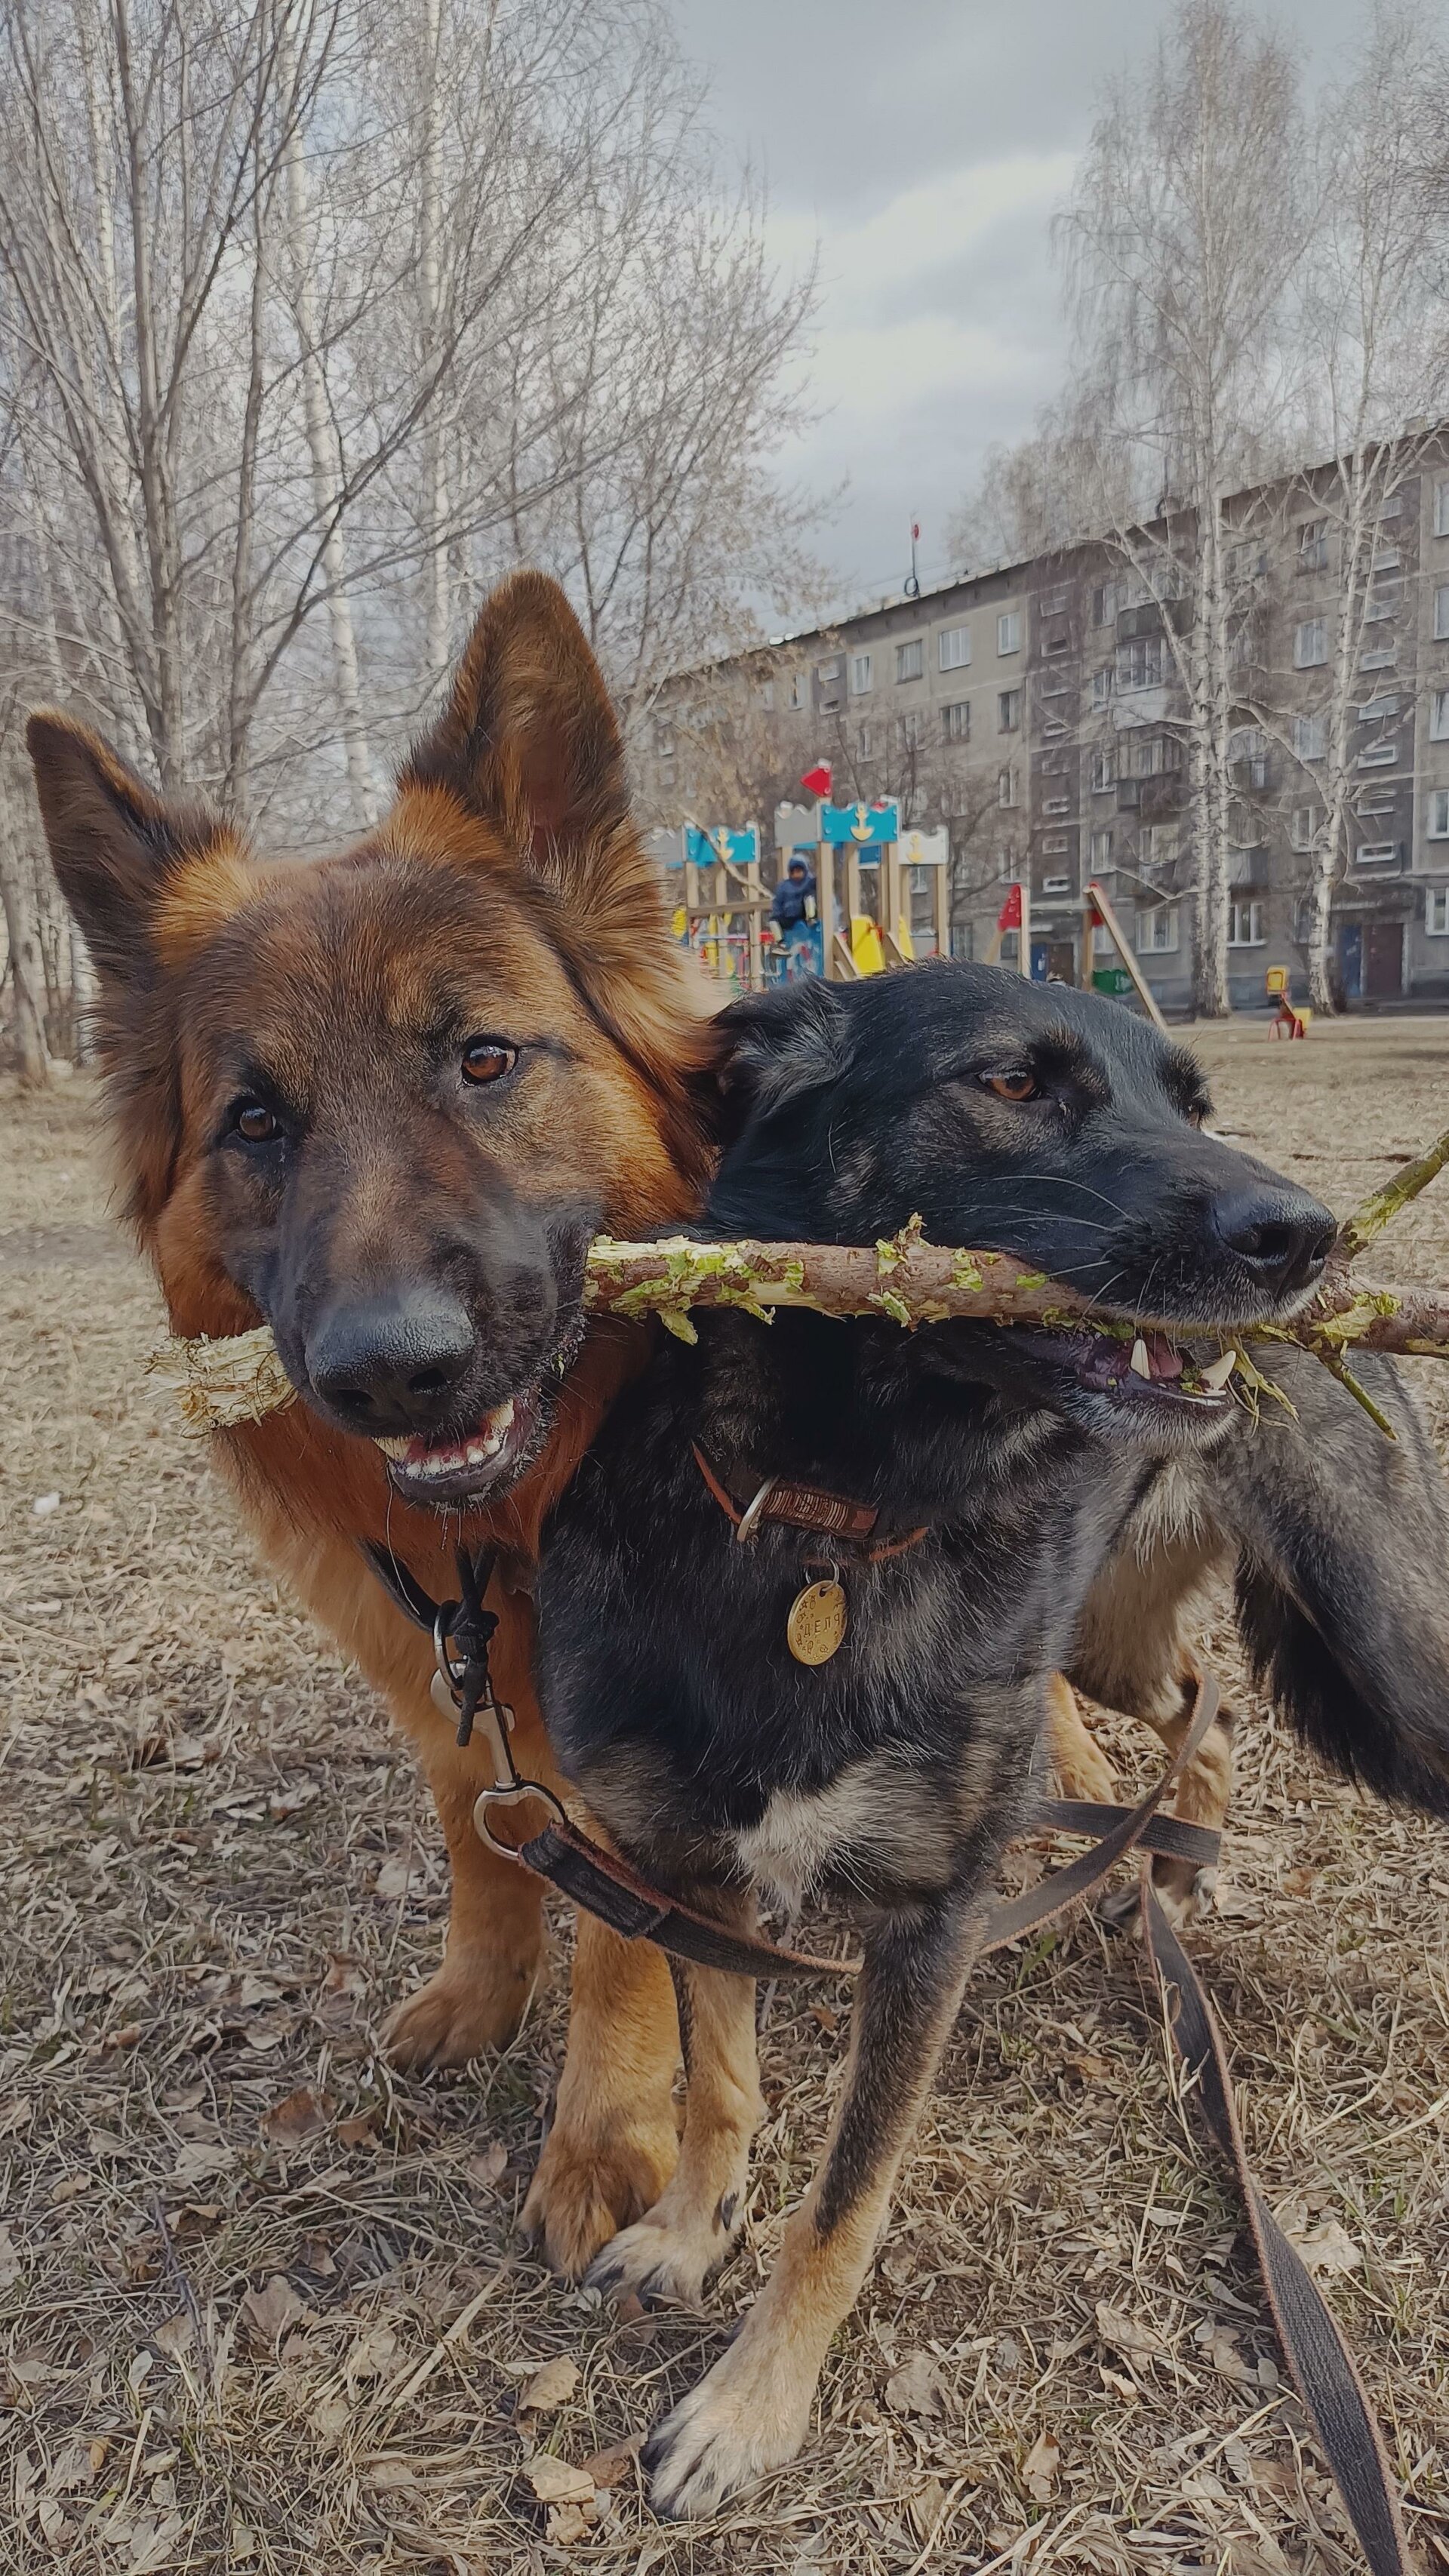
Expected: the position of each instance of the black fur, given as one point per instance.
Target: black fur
(891, 1777)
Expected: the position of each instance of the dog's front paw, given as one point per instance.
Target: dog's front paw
(748, 2416)
(474, 2003)
(590, 2182)
(1185, 1894)
(666, 2258)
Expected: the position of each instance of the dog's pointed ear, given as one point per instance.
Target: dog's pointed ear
(783, 1045)
(529, 740)
(115, 845)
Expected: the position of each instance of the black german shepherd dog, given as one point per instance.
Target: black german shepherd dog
(851, 1702)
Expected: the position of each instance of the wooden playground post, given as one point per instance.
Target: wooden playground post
(1098, 901)
(825, 901)
(754, 919)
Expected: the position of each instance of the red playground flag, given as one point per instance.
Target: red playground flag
(1009, 917)
(816, 781)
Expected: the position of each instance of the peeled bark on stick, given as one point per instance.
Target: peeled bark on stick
(222, 1383)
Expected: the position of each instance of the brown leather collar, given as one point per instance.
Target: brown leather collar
(802, 1507)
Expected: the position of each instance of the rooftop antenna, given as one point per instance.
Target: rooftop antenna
(913, 579)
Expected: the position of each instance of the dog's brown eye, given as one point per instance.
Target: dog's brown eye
(253, 1120)
(487, 1060)
(1013, 1086)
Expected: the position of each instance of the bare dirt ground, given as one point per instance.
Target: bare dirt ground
(259, 2307)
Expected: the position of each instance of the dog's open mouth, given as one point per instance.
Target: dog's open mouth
(1150, 1370)
(468, 1467)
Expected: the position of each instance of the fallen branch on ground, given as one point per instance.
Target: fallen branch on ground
(222, 1383)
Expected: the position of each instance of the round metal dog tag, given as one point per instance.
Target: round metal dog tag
(817, 1622)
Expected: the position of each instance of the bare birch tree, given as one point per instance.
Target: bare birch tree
(1374, 349)
(1185, 226)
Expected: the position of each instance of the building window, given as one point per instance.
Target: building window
(1310, 643)
(1439, 716)
(1246, 924)
(767, 697)
(908, 732)
(1305, 826)
(1310, 737)
(1377, 854)
(1382, 603)
(860, 674)
(1008, 711)
(1441, 507)
(1436, 900)
(1055, 845)
(1377, 710)
(864, 743)
(910, 659)
(1441, 612)
(1104, 771)
(1156, 931)
(1379, 657)
(827, 675)
(1056, 639)
(953, 648)
(1101, 850)
(956, 721)
(1140, 664)
(1378, 755)
(1006, 787)
(1008, 631)
(1313, 545)
(798, 693)
(1155, 844)
(1102, 686)
(1437, 825)
(1156, 755)
(1056, 885)
(1386, 559)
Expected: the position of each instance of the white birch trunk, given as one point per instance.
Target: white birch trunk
(326, 463)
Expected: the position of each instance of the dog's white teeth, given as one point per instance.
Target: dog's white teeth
(395, 1448)
(1218, 1371)
(1139, 1363)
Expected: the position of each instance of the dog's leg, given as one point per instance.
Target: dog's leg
(751, 2413)
(1133, 1653)
(1202, 1797)
(691, 2227)
(1081, 1767)
(614, 2141)
(493, 1947)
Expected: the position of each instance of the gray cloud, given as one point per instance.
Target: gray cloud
(866, 119)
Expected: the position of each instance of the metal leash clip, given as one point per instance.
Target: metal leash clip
(462, 1632)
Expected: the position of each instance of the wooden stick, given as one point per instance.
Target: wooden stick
(222, 1383)
(925, 1283)
(1374, 1215)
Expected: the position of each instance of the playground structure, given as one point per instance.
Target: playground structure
(880, 897)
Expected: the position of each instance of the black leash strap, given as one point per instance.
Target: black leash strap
(1322, 2367)
(461, 1630)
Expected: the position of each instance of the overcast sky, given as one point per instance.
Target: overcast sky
(924, 144)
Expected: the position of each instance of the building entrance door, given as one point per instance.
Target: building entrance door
(1383, 960)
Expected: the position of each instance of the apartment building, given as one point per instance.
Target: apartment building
(1036, 709)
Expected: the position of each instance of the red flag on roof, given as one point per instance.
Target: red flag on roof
(816, 781)
(1009, 917)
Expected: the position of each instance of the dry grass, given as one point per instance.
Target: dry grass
(229, 2336)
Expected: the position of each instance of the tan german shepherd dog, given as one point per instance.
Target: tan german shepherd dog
(382, 1102)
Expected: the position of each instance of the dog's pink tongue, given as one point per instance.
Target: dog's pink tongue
(1162, 1359)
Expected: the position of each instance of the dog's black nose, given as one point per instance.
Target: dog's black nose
(395, 1364)
(1282, 1236)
